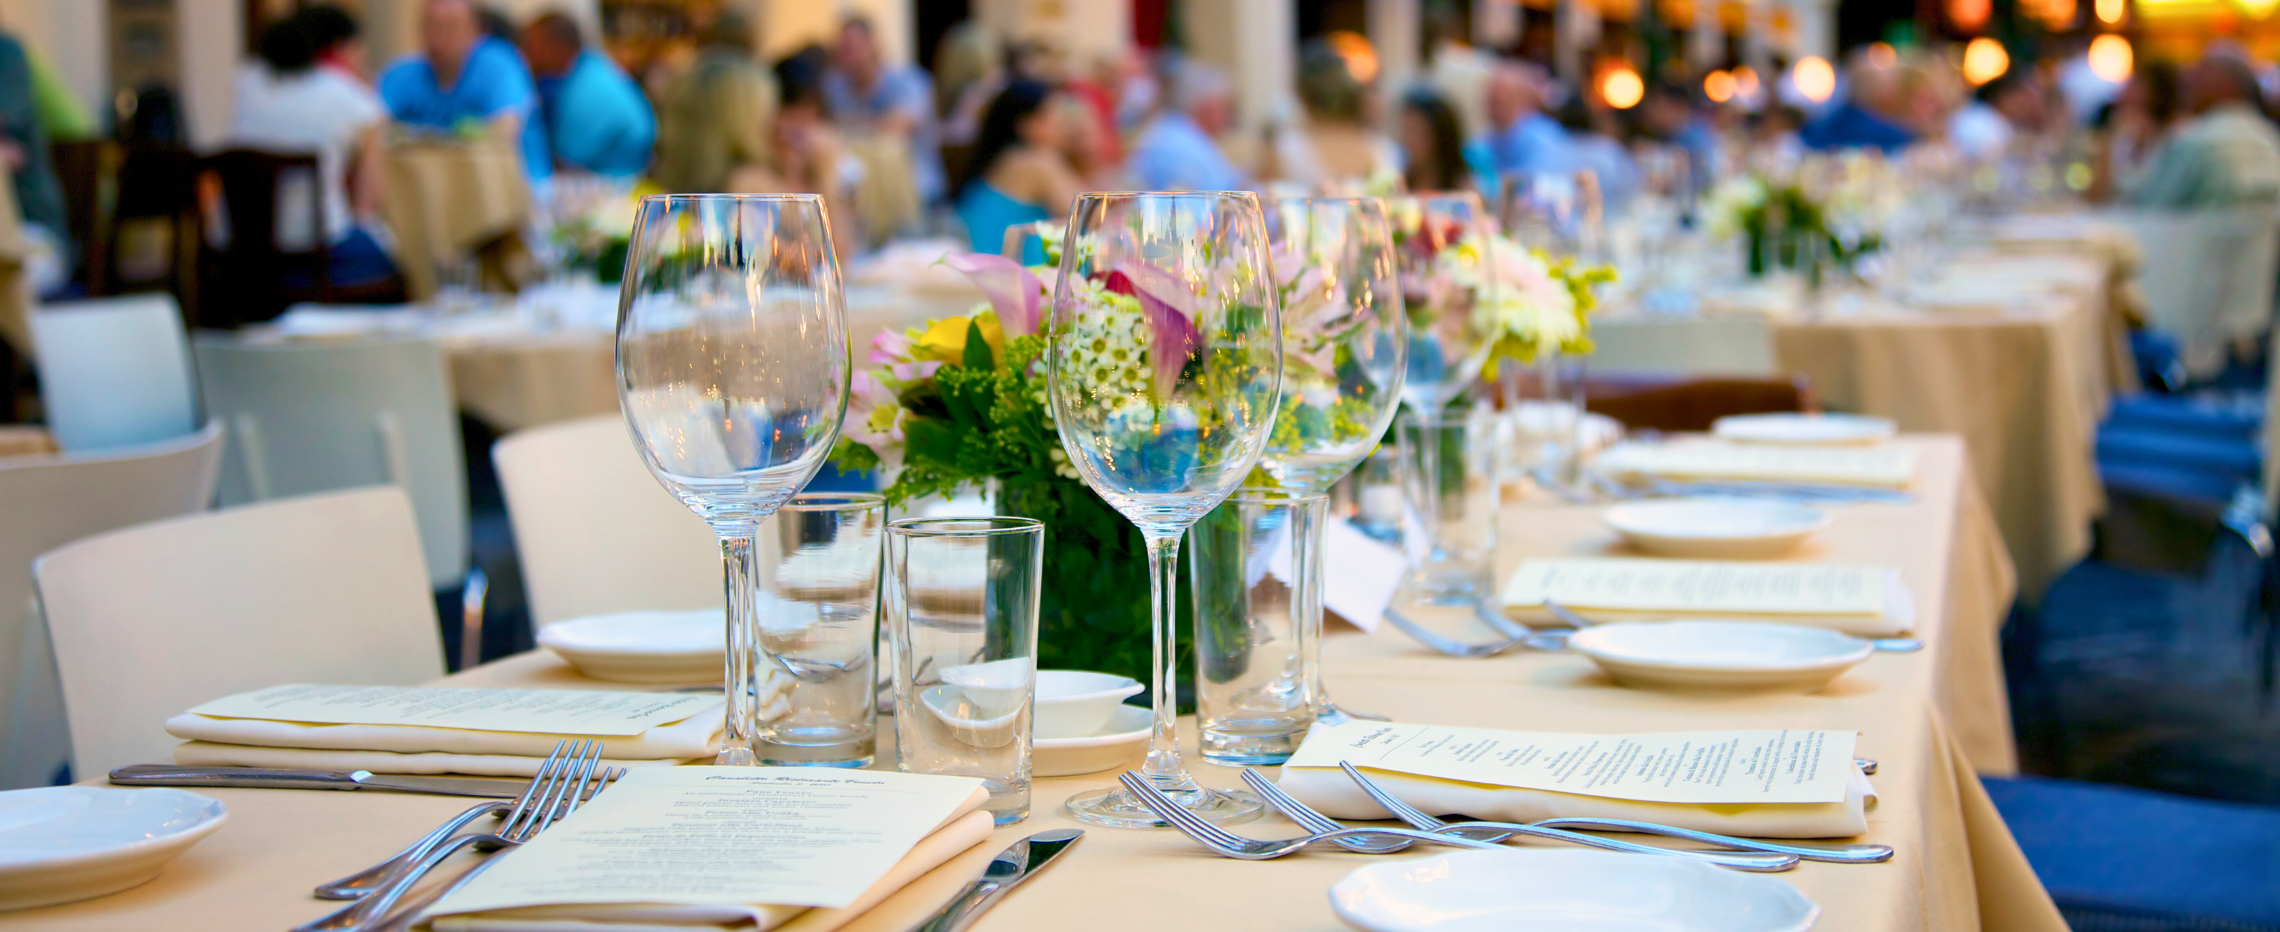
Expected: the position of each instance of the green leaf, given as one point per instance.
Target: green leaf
(978, 356)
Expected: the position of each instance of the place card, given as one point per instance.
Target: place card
(783, 836)
(1703, 586)
(1360, 575)
(1884, 467)
(1710, 767)
(538, 711)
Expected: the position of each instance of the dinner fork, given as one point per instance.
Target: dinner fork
(560, 789)
(1228, 844)
(1839, 854)
(1554, 640)
(361, 883)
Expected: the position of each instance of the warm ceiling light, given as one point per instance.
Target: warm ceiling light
(1361, 57)
(2257, 9)
(1622, 88)
(1882, 54)
(1813, 77)
(1970, 15)
(1745, 82)
(1718, 86)
(2111, 59)
(1984, 60)
(2110, 11)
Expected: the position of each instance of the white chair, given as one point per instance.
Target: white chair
(2208, 278)
(316, 416)
(52, 500)
(114, 372)
(153, 620)
(595, 532)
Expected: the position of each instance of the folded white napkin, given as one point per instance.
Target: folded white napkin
(1876, 467)
(692, 737)
(210, 754)
(1898, 615)
(962, 832)
(1330, 791)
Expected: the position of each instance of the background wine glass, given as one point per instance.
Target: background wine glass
(1345, 354)
(1164, 365)
(1448, 345)
(732, 373)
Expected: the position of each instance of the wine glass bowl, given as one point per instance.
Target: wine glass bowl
(1344, 337)
(1448, 345)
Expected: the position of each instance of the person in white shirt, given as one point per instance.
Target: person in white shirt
(2008, 109)
(287, 104)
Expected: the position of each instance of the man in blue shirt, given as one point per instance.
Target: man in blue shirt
(595, 118)
(1521, 140)
(864, 95)
(1864, 120)
(1179, 151)
(461, 78)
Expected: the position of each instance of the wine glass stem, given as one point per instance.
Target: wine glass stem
(1306, 530)
(741, 685)
(1428, 505)
(1163, 765)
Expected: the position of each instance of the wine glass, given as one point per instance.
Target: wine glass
(1446, 245)
(1345, 351)
(732, 368)
(1164, 366)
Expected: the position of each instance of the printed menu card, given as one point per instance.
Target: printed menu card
(1703, 586)
(789, 836)
(1887, 467)
(539, 711)
(1713, 767)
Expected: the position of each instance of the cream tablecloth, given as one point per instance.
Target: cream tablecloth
(1925, 717)
(445, 198)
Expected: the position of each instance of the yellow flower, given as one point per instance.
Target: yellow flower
(944, 340)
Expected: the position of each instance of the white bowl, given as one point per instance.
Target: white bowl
(1805, 429)
(59, 844)
(1721, 654)
(1716, 528)
(1118, 743)
(1599, 891)
(1078, 703)
(642, 647)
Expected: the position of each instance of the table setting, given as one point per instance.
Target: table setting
(899, 721)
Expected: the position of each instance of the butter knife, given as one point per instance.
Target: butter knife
(1018, 862)
(285, 779)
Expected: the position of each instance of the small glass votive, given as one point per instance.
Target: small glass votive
(961, 610)
(1453, 559)
(819, 624)
(1247, 559)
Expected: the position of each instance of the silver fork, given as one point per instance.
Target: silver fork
(362, 883)
(402, 919)
(1545, 641)
(1765, 862)
(560, 787)
(1838, 854)
(1228, 844)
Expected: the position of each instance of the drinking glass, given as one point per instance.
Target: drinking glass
(819, 632)
(1345, 349)
(1543, 419)
(1252, 704)
(1440, 235)
(732, 367)
(1458, 497)
(961, 604)
(1164, 366)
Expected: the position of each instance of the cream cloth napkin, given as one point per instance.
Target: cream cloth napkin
(210, 754)
(963, 831)
(1874, 466)
(1897, 618)
(1330, 791)
(692, 737)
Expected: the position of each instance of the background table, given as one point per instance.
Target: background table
(1926, 717)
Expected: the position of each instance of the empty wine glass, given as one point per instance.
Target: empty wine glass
(1345, 349)
(1164, 367)
(732, 368)
(1446, 243)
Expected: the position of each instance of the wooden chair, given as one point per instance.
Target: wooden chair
(1691, 403)
(133, 216)
(263, 240)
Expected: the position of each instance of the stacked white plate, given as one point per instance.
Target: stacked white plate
(643, 647)
(1083, 725)
(1805, 429)
(1721, 654)
(1538, 888)
(1716, 528)
(60, 844)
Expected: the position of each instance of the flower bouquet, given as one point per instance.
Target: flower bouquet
(1787, 226)
(592, 228)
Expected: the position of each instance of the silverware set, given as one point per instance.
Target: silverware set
(1747, 854)
(569, 776)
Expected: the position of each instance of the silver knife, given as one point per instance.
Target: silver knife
(283, 779)
(1018, 862)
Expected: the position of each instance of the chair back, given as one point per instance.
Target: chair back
(315, 416)
(2208, 278)
(1678, 403)
(262, 219)
(114, 372)
(595, 532)
(52, 500)
(152, 620)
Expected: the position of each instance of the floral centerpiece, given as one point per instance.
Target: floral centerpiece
(1789, 226)
(592, 229)
(1526, 301)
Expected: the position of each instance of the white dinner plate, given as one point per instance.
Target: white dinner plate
(1598, 891)
(1716, 528)
(60, 844)
(1721, 654)
(642, 647)
(1805, 429)
(1116, 744)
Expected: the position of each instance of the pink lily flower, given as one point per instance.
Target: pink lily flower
(1169, 307)
(1012, 289)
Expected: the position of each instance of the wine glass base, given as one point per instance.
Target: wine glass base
(736, 757)
(1329, 714)
(1119, 809)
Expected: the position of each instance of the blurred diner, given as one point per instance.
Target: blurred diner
(465, 81)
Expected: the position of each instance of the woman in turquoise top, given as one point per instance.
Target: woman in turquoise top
(1018, 174)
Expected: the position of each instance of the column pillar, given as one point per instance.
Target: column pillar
(1255, 43)
(1394, 27)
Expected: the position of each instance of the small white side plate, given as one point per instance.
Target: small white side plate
(1599, 891)
(61, 844)
(642, 647)
(1116, 744)
(1079, 703)
(1716, 528)
(1805, 429)
(1721, 654)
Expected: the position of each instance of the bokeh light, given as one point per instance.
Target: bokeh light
(1622, 88)
(2111, 58)
(1718, 86)
(1984, 60)
(1745, 82)
(1814, 78)
(2110, 12)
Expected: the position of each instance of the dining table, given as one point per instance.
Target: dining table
(447, 196)
(1933, 719)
